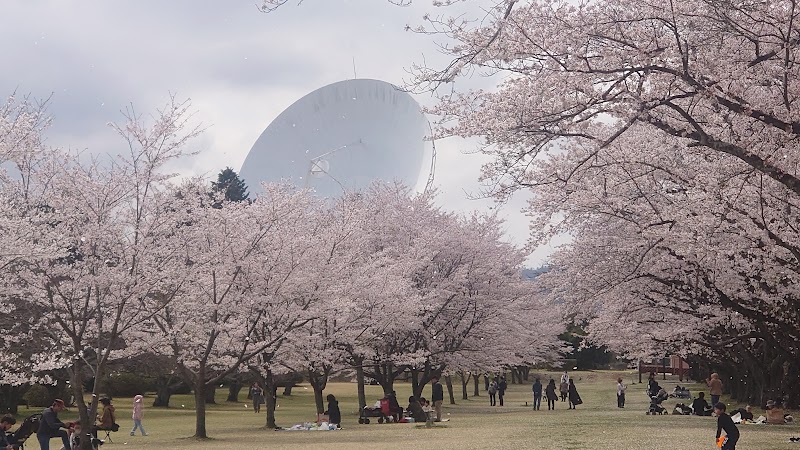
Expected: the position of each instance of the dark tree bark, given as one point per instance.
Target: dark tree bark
(270, 391)
(476, 382)
(362, 396)
(10, 397)
(464, 384)
(449, 382)
(211, 393)
(318, 382)
(200, 395)
(233, 391)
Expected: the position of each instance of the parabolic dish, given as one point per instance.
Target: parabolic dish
(341, 138)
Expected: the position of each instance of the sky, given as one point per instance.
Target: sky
(240, 68)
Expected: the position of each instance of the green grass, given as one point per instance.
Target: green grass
(596, 425)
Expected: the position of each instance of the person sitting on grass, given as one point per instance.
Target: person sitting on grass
(700, 405)
(394, 406)
(724, 422)
(775, 413)
(415, 410)
(334, 415)
(745, 413)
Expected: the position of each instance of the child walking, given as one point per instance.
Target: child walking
(138, 412)
(621, 393)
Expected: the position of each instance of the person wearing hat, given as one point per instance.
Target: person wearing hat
(51, 426)
(138, 412)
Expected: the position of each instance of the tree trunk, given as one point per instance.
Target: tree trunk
(10, 397)
(415, 388)
(464, 383)
(362, 396)
(449, 381)
(233, 392)
(76, 380)
(211, 393)
(476, 391)
(486, 382)
(287, 390)
(200, 395)
(269, 395)
(163, 394)
(318, 383)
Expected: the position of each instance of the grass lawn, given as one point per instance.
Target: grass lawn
(596, 425)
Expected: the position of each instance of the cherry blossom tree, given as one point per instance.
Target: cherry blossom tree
(94, 265)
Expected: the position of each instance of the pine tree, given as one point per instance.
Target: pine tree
(228, 181)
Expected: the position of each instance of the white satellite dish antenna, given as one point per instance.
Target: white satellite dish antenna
(342, 137)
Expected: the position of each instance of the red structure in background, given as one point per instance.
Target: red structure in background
(674, 365)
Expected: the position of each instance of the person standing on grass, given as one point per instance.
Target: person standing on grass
(715, 386)
(621, 388)
(564, 390)
(258, 397)
(492, 393)
(138, 413)
(537, 394)
(574, 398)
(437, 397)
(51, 426)
(501, 389)
(550, 392)
(724, 422)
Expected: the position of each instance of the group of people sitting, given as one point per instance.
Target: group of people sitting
(71, 433)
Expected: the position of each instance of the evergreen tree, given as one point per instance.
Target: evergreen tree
(228, 181)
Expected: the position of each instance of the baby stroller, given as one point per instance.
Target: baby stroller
(382, 412)
(655, 403)
(26, 429)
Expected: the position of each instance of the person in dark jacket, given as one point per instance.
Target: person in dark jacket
(394, 406)
(550, 392)
(51, 427)
(437, 397)
(501, 389)
(724, 422)
(700, 405)
(415, 410)
(334, 415)
(6, 422)
(537, 394)
(574, 398)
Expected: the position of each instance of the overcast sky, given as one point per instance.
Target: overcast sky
(239, 67)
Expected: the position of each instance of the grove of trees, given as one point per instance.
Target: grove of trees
(108, 260)
(662, 138)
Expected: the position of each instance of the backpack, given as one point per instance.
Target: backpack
(493, 388)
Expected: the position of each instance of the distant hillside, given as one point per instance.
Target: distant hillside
(530, 274)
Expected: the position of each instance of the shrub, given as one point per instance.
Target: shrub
(39, 396)
(126, 384)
